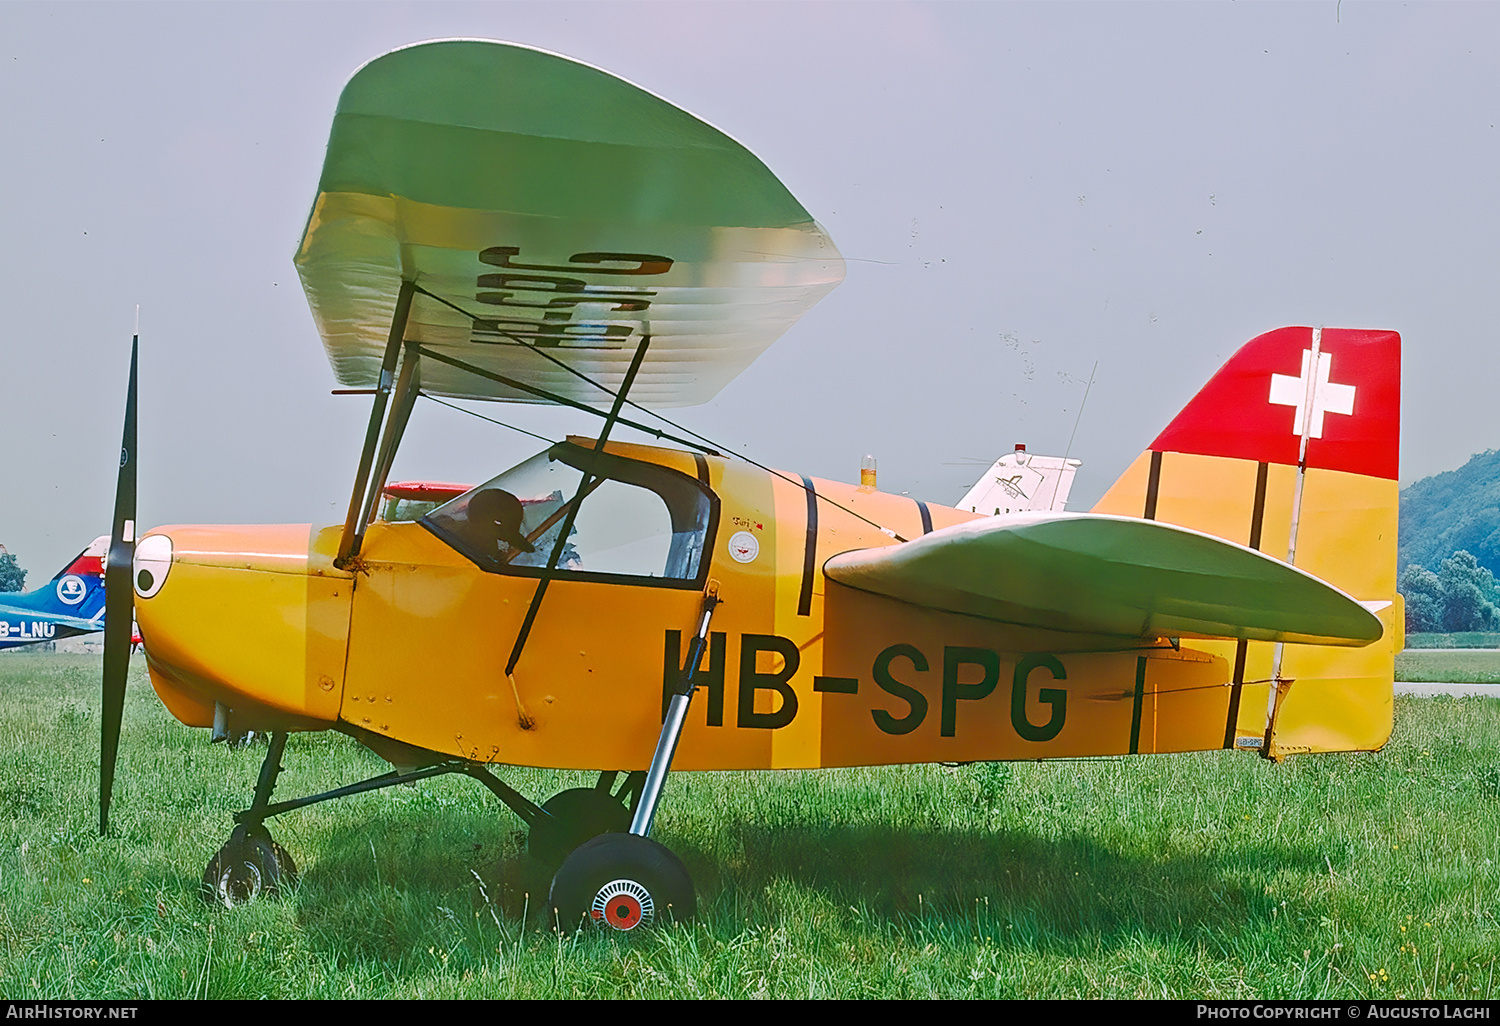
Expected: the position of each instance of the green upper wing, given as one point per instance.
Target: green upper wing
(1108, 577)
(548, 204)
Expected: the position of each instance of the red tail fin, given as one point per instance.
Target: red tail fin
(1253, 409)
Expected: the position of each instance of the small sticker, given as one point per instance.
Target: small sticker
(743, 546)
(71, 589)
(1249, 742)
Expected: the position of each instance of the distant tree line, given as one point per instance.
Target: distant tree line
(12, 577)
(1459, 597)
(1448, 548)
(1451, 512)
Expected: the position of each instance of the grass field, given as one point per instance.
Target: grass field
(1436, 665)
(1464, 639)
(1213, 875)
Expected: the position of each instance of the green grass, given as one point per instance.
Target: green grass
(1445, 667)
(1212, 875)
(1462, 639)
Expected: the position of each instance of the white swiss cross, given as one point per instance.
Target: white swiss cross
(1323, 397)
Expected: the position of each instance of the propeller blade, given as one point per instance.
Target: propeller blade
(119, 603)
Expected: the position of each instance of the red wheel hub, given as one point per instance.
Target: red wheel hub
(622, 912)
(623, 905)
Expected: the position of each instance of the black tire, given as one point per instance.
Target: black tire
(621, 882)
(286, 869)
(249, 866)
(573, 817)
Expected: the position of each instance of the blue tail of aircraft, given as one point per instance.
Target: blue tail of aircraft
(71, 603)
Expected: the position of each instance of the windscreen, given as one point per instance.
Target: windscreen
(634, 519)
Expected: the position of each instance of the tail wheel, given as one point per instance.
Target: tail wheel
(621, 882)
(249, 866)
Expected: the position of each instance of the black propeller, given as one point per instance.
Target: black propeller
(119, 603)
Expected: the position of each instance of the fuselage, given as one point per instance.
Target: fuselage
(411, 644)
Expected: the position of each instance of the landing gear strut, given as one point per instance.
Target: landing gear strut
(628, 881)
(252, 865)
(623, 880)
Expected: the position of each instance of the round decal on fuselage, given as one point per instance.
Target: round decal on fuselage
(71, 589)
(743, 546)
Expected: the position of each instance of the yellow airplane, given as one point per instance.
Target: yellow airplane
(496, 222)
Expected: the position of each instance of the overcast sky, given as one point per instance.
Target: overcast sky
(1021, 190)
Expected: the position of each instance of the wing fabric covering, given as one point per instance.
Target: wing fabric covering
(553, 205)
(1109, 576)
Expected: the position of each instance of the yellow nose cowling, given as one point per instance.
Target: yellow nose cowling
(255, 617)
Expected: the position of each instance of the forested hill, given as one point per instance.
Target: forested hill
(1456, 510)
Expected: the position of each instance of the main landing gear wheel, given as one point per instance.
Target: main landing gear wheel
(573, 817)
(622, 882)
(249, 866)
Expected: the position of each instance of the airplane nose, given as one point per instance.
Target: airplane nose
(153, 560)
(256, 618)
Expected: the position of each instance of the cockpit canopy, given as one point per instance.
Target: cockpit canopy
(637, 521)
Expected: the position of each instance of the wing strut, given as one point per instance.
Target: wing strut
(353, 534)
(584, 486)
(408, 387)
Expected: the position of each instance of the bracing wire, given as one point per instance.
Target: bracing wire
(1069, 451)
(665, 420)
(492, 420)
